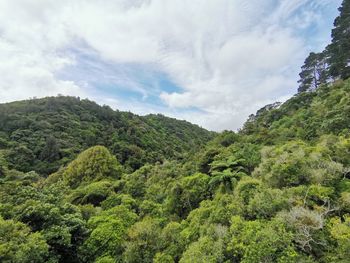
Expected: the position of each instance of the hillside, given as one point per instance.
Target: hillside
(81, 183)
(43, 134)
(277, 191)
(305, 116)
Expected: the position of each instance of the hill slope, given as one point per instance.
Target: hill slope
(305, 116)
(278, 191)
(43, 134)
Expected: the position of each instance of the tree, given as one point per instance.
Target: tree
(225, 179)
(186, 194)
(259, 241)
(105, 239)
(227, 169)
(339, 49)
(44, 211)
(266, 203)
(108, 233)
(285, 166)
(18, 244)
(173, 241)
(93, 164)
(21, 158)
(51, 151)
(340, 232)
(143, 242)
(313, 72)
(205, 249)
(307, 226)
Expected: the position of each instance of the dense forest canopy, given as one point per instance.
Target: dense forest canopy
(83, 183)
(44, 134)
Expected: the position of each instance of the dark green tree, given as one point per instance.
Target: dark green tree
(339, 49)
(51, 150)
(313, 72)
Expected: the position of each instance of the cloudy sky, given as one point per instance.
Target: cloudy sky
(211, 62)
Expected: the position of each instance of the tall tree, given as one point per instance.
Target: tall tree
(339, 49)
(313, 72)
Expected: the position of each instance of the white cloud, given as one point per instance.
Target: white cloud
(230, 57)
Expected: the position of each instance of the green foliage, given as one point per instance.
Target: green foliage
(308, 228)
(3, 166)
(135, 183)
(143, 241)
(284, 166)
(19, 244)
(44, 134)
(186, 194)
(173, 242)
(266, 203)
(247, 188)
(108, 233)
(256, 241)
(339, 49)
(296, 163)
(203, 250)
(225, 179)
(340, 232)
(163, 258)
(22, 156)
(217, 212)
(105, 259)
(239, 199)
(333, 62)
(306, 116)
(344, 201)
(231, 164)
(91, 165)
(105, 239)
(313, 72)
(119, 199)
(124, 188)
(93, 193)
(44, 211)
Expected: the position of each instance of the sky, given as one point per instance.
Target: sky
(211, 62)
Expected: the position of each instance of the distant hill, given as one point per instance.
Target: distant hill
(43, 134)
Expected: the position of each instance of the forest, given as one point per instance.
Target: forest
(81, 182)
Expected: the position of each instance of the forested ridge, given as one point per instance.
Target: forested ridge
(43, 134)
(83, 183)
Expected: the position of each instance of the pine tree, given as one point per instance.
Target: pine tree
(339, 49)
